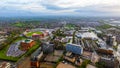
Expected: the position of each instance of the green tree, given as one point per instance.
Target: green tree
(73, 39)
(84, 64)
(100, 64)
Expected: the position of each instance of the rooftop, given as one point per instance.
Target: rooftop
(52, 58)
(87, 35)
(27, 41)
(36, 53)
(62, 65)
(4, 65)
(74, 44)
(46, 65)
(74, 48)
(90, 66)
(58, 52)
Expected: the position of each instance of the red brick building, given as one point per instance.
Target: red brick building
(37, 36)
(27, 44)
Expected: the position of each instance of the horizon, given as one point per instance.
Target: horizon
(95, 8)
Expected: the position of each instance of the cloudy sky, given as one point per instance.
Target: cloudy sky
(60, 7)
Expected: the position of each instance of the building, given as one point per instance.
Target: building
(62, 65)
(102, 44)
(87, 35)
(22, 63)
(46, 32)
(90, 66)
(5, 65)
(51, 58)
(109, 62)
(95, 58)
(118, 49)
(87, 54)
(37, 36)
(2, 33)
(27, 44)
(105, 51)
(70, 59)
(118, 53)
(111, 40)
(47, 65)
(107, 58)
(58, 52)
(35, 58)
(47, 48)
(76, 49)
(78, 62)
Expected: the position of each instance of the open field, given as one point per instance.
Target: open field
(31, 33)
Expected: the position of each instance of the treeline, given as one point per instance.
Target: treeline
(8, 42)
(26, 24)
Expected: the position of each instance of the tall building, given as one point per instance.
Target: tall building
(74, 48)
(47, 48)
(35, 58)
(111, 40)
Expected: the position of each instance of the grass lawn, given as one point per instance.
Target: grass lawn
(14, 59)
(4, 51)
(18, 24)
(31, 33)
(4, 57)
(30, 51)
(104, 26)
(70, 26)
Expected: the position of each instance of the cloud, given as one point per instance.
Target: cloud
(61, 6)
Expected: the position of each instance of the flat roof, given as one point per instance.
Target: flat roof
(73, 44)
(52, 58)
(46, 65)
(36, 53)
(90, 66)
(87, 35)
(27, 40)
(87, 53)
(58, 52)
(62, 65)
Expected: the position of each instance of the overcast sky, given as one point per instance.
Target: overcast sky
(60, 7)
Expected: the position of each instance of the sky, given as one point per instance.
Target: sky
(59, 7)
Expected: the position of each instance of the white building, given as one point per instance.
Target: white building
(74, 48)
(87, 35)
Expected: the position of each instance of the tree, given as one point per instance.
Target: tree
(73, 39)
(100, 64)
(84, 64)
